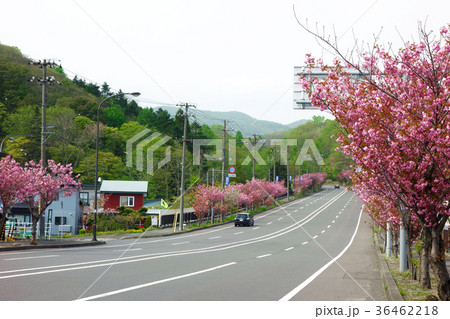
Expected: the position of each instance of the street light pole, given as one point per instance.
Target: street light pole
(11, 139)
(94, 237)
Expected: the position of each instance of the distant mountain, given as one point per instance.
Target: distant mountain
(240, 121)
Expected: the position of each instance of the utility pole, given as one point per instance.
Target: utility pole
(224, 151)
(183, 164)
(254, 150)
(274, 162)
(43, 82)
(287, 172)
(212, 208)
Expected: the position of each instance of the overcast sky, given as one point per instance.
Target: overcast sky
(220, 55)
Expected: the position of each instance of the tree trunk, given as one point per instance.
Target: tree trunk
(409, 250)
(437, 259)
(2, 225)
(395, 244)
(424, 266)
(33, 229)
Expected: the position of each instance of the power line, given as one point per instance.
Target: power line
(123, 50)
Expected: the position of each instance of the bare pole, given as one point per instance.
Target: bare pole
(224, 151)
(274, 162)
(254, 153)
(287, 172)
(183, 164)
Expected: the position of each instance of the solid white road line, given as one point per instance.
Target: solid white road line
(115, 292)
(22, 258)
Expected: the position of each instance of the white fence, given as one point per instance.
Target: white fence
(23, 230)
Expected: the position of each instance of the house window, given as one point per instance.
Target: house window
(60, 220)
(84, 198)
(127, 201)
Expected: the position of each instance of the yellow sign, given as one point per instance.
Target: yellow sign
(164, 204)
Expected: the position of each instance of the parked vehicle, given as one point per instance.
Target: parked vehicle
(337, 186)
(244, 219)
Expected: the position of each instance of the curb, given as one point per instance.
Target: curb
(102, 242)
(206, 227)
(391, 290)
(56, 245)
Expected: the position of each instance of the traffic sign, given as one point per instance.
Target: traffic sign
(231, 175)
(227, 180)
(232, 170)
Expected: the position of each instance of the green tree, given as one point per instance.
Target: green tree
(22, 150)
(73, 134)
(130, 129)
(239, 138)
(115, 117)
(146, 117)
(110, 167)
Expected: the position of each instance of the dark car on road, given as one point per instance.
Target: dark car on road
(244, 219)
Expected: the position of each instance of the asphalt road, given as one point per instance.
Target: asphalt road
(264, 262)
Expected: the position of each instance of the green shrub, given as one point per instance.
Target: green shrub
(142, 211)
(127, 211)
(82, 232)
(120, 209)
(148, 222)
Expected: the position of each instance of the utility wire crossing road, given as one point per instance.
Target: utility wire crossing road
(286, 249)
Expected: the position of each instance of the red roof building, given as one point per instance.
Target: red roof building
(124, 193)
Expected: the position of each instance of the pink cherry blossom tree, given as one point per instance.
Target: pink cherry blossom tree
(42, 185)
(396, 119)
(302, 184)
(345, 176)
(231, 197)
(10, 186)
(318, 180)
(204, 199)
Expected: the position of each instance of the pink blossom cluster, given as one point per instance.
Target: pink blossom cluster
(251, 195)
(35, 185)
(345, 176)
(204, 199)
(396, 119)
(310, 181)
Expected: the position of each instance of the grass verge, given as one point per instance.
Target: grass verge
(410, 289)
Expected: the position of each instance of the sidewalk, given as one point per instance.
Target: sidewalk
(58, 242)
(360, 274)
